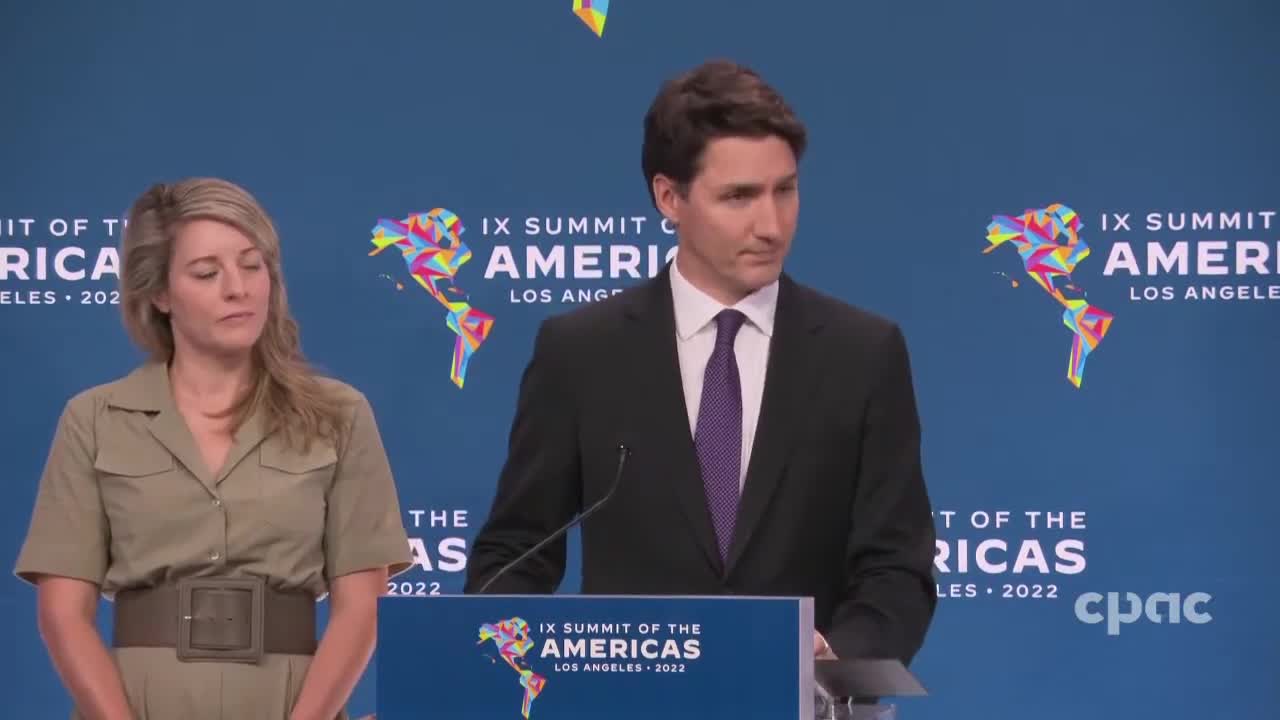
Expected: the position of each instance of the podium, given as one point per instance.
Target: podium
(566, 657)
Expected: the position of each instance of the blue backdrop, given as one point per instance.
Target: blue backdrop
(1154, 121)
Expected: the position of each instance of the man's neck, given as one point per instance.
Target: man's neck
(693, 273)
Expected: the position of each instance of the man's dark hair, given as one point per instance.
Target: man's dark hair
(714, 100)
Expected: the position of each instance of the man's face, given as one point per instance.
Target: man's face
(738, 216)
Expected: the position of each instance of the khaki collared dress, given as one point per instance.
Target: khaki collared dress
(125, 501)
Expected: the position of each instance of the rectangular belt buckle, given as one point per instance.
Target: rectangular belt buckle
(189, 651)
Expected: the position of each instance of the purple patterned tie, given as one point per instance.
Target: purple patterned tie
(718, 436)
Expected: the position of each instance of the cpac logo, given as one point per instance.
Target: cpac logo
(1173, 606)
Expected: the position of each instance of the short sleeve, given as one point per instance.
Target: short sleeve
(363, 526)
(69, 534)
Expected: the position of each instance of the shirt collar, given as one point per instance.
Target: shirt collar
(145, 388)
(695, 309)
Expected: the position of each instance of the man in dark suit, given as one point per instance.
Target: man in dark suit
(773, 432)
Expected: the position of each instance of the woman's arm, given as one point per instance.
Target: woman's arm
(346, 646)
(365, 544)
(65, 610)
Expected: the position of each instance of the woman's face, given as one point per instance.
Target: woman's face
(218, 291)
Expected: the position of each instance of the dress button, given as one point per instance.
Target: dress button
(217, 502)
(215, 555)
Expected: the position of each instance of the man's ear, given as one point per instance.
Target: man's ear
(669, 196)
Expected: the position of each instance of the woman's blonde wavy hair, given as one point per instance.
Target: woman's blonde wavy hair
(289, 393)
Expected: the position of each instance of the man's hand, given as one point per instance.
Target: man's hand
(821, 650)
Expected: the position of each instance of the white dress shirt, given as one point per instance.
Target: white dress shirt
(696, 337)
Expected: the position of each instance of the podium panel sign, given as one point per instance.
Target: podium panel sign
(504, 657)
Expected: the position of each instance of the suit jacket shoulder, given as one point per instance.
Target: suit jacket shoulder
(585, 322)
(844, 319)
(584, 339)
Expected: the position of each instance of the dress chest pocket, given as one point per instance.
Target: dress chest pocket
(292, 486)
(137, 484)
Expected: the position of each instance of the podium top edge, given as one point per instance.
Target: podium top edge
(581, 596)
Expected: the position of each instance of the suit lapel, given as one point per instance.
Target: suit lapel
(668, 421)
(791, 378)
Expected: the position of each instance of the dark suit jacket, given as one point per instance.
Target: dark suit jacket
(834, 506)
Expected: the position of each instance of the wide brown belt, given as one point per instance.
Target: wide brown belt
(217, 619)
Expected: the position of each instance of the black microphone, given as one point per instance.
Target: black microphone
(623, 452)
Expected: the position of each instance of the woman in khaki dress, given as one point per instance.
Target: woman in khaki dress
(216, 493)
